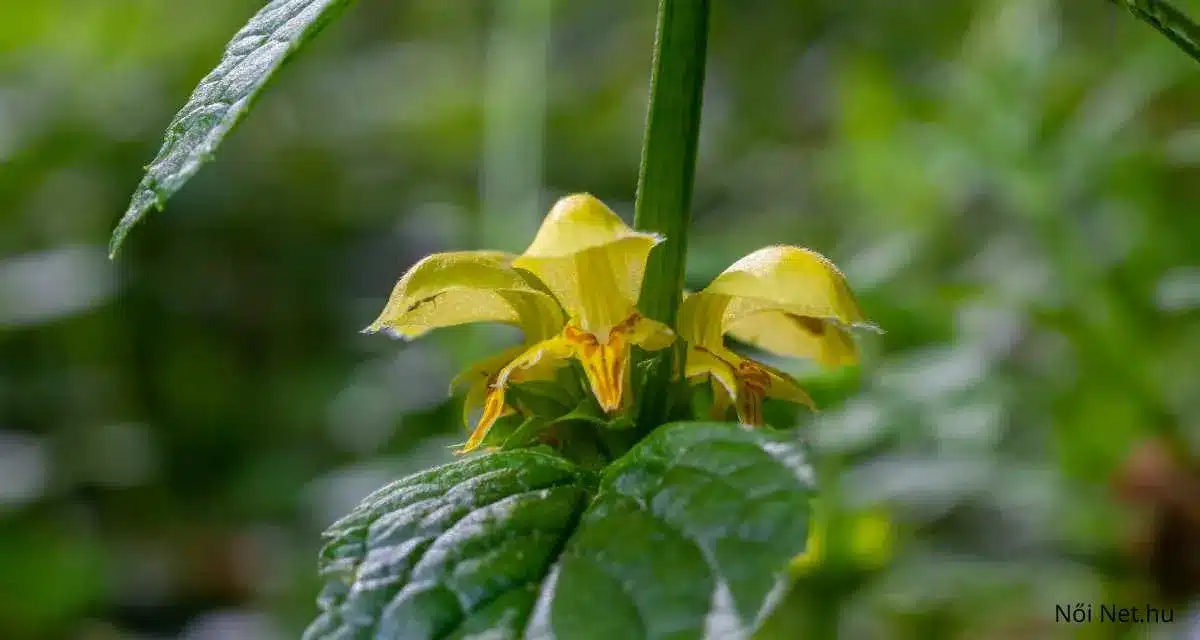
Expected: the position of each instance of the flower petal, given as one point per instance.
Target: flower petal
(590, 260)
(606, 364)
(651, 335)
(701, 319)
(791, 279)
(536, 360)
(460, 287)
(478, 378)
(722, 401)
(743, 382)
(702, 362)
(782, 386)
(785, 334)
(783, 299)
(494, 408)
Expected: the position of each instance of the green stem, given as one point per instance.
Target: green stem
(1169, 21)
(664, 192)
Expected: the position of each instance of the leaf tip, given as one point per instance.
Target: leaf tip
(118, 237)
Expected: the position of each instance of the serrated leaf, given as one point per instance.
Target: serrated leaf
(223, 97)
(687, 536)
(461, 546)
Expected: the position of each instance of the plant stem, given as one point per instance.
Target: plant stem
(1169, 21)
(664, 191)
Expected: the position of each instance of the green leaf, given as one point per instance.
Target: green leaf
(686, 536)
(504, 428)
(454, 548)
(585, 411)
(223, 97)
(526, 434)
(1169, 21)
(540, 397)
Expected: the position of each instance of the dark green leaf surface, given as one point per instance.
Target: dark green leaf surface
(457, 547)
(221, 99)
(686, 536)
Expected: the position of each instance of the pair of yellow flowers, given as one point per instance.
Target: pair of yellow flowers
(574, 294)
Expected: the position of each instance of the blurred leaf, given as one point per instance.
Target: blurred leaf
(53, 576)
(688, 535)
(223, 97)
(1169, 21)
(846, 540)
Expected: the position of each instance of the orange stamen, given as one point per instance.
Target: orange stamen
(606, 365)
(755, 382)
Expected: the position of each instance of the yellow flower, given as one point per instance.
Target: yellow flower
(573, 292)
(783, 299)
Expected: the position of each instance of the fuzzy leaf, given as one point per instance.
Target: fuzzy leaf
(687, 536)
(223, 97)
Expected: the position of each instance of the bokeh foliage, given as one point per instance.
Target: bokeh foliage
(1007, 183)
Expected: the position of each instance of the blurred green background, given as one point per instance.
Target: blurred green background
(1010, 186)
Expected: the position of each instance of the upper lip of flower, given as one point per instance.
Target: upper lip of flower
(783, 299)
(573, 292)
(459, 287)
